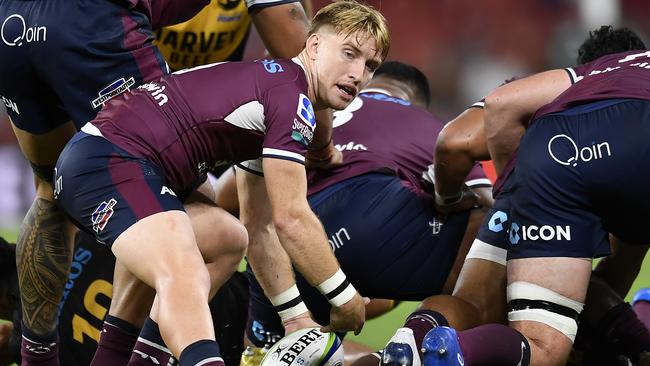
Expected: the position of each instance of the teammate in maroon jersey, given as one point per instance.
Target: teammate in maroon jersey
(563, 206)
(124, 175)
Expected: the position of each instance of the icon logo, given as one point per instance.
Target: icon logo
(496, 221)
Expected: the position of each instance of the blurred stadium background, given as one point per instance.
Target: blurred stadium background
(465, 47)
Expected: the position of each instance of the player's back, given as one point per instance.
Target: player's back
(378, 132)
(199, 118)
(624, 75)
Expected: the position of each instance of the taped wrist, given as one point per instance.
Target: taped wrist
(337, 289)
(289, 304)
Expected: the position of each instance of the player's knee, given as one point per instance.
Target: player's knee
(532, 303)
(196, 278)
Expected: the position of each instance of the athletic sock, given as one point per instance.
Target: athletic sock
(116, 342)
(39, 350)
(642, 310)
(494, 344)
(150, 349)
(204, 352)
(421, 322)
(622, 329)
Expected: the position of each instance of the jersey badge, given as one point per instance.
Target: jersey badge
(113, 89)
(102, 214)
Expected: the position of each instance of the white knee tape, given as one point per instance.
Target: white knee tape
(529, 291)
(483, 250)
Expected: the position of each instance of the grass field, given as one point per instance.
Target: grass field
(376, 332)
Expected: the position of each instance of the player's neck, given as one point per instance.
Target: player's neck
(310, 72)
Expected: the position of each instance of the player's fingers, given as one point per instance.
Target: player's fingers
(366, 300)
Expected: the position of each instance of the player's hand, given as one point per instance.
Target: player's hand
(329, 159)
(300, 322)
(348, 317)
(463, 202)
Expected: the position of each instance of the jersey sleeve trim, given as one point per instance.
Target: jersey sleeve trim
(572, 75)
(478, 183)
(480, 104)
(268, 152)
(249, 169)
(259, 4)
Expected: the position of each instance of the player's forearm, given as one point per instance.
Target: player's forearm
(283, 28)
(270, 263)
(503, 129)
(303, 238)
(460, 144)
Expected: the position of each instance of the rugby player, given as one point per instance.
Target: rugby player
(74, 87)
(548, 274)
(480, 294)
(377, 204)
(133, 174)
(52, 82)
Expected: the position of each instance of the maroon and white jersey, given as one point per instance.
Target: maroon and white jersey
(620, 75)
(200, 118)
(381, 133)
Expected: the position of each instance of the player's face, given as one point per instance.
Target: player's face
(345, 64)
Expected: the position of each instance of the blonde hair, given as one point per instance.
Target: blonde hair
(349, 16)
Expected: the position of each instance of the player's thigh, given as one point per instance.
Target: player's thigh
(545, 296)
(159, 247)
(482, 279)
(217, 231)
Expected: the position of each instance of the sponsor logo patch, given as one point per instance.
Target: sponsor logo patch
(534, 232)
(496, 221)
(102, 214)
(15, 31)
(112, 90)
(564, 150)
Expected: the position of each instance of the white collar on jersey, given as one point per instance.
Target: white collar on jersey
(376, 90)
(296, 60)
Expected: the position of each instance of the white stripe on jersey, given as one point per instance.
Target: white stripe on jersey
(267, 151)
(478, 182)
(479, 104)
(572, 74)
(250, 3)
(249, 116)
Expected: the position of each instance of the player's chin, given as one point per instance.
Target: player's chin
(340, 101)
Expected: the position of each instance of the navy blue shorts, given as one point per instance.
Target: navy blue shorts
(105, 190)
(388, 241)
(582, 174)
(494, 229)
(60, 60)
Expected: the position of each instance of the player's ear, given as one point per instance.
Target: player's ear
(312, 45)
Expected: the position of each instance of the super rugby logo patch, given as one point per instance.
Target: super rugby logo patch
(303, 129)
(102, 214)
(112, 90)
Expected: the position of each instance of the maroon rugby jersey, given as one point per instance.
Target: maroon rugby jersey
(620, 75)
(200, 118)
(380, 133)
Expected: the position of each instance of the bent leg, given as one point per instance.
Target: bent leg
(161, 251)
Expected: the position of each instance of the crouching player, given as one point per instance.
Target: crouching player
(376, 207)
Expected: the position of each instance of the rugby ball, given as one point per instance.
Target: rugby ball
(306, 347)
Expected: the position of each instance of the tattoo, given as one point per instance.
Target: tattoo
(43, 260)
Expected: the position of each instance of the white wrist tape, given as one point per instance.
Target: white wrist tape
(289, 304)
(337, 289)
